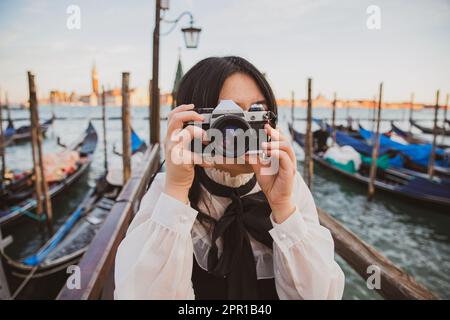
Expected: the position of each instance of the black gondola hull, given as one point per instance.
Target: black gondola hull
(439, 130)
(443, 205)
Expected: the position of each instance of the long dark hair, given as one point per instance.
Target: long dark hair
(202, 84)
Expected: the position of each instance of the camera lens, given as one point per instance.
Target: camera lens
(234, 141)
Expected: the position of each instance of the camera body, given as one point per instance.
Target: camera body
(232, 131)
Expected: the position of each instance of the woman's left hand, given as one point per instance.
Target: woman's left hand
(276, 178)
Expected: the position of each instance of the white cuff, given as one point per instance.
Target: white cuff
(290, 232)
(174, 214)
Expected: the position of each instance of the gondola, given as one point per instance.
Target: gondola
(411, 138)
(408, 136)
(68, 244)
(23, 178)
(63, 249)
(18, 199)
(14, 182)
(23, 133)
(422, 190)
(414, 156)
(439, 130)
(355, 139)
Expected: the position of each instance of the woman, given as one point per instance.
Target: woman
(219, 231)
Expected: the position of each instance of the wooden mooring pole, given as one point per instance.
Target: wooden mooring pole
(126, 129)
(374, 112)
(42, 194)
(105, 143)
(370, 110)
(411, 111)
(333, 120)
(2, 144)
(445, 111)
(150, 112)
(375, 147)
(308, 165)
(445, 122)
(433, 148)
(8, 109)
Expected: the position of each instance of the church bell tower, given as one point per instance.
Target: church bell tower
(94, 80)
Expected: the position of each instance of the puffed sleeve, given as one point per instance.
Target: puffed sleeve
(304, 262)
(154, 260)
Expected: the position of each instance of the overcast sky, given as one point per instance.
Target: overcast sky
(289, 40)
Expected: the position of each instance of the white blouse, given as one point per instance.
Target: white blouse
(154, 260)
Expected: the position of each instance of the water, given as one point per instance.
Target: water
(413, 237)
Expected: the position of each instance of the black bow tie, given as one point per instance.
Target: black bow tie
(247, 214)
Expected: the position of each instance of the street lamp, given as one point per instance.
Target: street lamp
(191, 36)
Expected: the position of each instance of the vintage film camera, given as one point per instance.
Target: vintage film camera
(232, 131)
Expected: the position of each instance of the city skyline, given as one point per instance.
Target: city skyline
(139, 96)
(320, 39)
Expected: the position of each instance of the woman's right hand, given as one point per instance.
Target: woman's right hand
(180, 159)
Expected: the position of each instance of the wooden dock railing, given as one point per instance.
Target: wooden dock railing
(97, 264)
(395, 283)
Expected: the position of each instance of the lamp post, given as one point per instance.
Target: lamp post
(191, 37)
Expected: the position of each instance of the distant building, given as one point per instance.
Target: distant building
(321, 101)
(90, 99)
(139, 97)
(113, 97)
(58, 97)
(73, 98)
